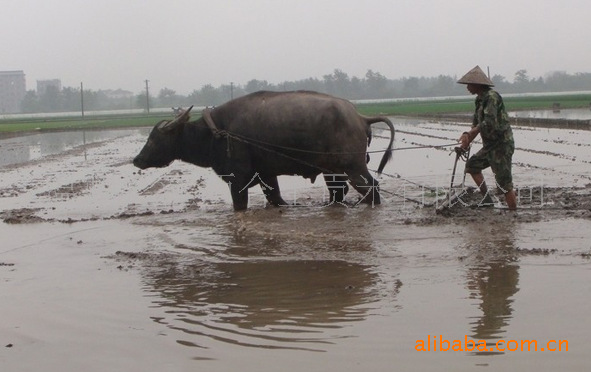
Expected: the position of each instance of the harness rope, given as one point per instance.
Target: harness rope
(206, 114)
(269, 147)
(252, 141)
(261, 145)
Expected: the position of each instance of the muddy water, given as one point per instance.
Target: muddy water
(571, 114)
(104, 268)
(24, 148)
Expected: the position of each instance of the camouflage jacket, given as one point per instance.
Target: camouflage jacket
(492, 119)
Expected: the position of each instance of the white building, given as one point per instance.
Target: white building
(13, 88)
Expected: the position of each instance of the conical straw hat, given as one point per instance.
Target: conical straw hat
(476, 76)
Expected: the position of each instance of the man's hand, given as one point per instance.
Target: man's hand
(467, 137)
(465, 140)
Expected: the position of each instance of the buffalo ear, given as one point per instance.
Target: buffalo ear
(181, 119)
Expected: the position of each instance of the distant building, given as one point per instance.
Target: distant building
(13, 88)
(44, 85)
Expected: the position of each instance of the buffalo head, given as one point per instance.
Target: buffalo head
(162, 146)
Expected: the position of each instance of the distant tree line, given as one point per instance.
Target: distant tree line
(373, 85)
(69, 99)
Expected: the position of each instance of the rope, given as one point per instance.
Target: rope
(263, 143)
(426, 147)
(268, 147)
(399, 177)
(294, 149)
(419, 202)
(252, 142)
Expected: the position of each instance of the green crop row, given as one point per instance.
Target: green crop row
(449, 106)
(111, 121)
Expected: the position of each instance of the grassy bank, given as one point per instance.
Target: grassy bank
(98, 122)
(408, 108)
(451, 106)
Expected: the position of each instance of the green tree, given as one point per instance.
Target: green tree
(71, 99)
(168, 97)
(142, 101)
(50, 100)
(376, 84)
(498, 79)
(521, 77)
(210, 96)
(411, 87)
(442, 86)
(255, 85)
(337, 83)
(30, 103)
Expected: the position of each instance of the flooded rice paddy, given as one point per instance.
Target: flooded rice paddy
(103, 267)
(560, 114)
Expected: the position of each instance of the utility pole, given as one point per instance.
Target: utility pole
(82, 99)
(231, 90)
(147, 96)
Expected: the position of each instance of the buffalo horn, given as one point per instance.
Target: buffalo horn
(179, 120)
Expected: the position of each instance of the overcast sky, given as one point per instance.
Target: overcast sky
(185, 44)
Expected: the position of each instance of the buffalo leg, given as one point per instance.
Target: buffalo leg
(239, 196)
(367, 186)
(337, 187)
(270, 187)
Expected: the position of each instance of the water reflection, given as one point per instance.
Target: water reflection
(23, 148)
(266, 304)
(263, 303)
(492, 279)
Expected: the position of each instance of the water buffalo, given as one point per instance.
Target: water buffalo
(255, 138)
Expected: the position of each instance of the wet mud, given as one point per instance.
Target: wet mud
(105, 267)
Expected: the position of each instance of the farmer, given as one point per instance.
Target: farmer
(492, 123)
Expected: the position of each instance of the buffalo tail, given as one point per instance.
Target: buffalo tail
(388, 153)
